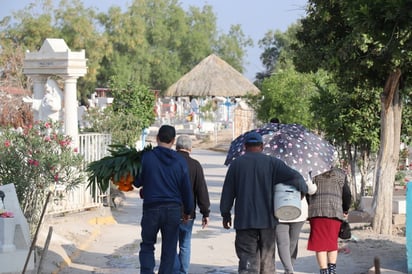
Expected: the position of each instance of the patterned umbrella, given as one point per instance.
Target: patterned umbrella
(298, 147)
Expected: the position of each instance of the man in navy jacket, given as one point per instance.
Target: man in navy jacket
(167, 194)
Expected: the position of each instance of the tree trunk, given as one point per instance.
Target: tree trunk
(388, 157)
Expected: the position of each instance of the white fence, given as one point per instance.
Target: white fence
(93, 146)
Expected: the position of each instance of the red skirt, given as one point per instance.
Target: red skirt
(323, 234)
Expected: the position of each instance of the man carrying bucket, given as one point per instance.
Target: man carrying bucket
(249, 184)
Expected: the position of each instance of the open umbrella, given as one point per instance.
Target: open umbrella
(298, 147)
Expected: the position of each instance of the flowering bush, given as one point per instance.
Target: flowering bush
(37, 159)
(6, 214)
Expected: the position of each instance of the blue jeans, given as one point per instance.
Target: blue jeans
(183, 258)
(166, 218)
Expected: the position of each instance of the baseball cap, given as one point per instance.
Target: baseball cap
(253, 137)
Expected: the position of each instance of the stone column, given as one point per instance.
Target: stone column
(39, 81)
(70, 109)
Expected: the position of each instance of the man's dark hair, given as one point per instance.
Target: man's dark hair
(166, 134)
(275, 120)
(252, 144)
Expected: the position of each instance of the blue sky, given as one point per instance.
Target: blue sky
(255, 17)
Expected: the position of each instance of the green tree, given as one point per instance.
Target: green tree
(351, 120)
(154, 42)
(200, 37)
(277, 53)
(78, 26)
(131, 112)
(406, 127)
(319, 106)
(231, 47)
(166, 28)
(28, 28)
(24, 30)
(287, 95)
(367, 46)
(145, 40)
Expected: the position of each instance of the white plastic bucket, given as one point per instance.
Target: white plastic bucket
(286, 202)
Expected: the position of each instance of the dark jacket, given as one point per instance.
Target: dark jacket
(164, 177)
(333, 196)
(199, 187)
(251, 180)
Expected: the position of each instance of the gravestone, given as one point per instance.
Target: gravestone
(13, 255)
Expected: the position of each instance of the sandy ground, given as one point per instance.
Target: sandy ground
(106, 240)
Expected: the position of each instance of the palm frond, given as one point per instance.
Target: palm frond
(123, 160)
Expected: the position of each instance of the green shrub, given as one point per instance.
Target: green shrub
(37, 159)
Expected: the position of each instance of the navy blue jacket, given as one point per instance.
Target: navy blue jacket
(164, 177)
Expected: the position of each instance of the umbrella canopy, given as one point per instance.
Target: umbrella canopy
(298, 147)
(212, 77)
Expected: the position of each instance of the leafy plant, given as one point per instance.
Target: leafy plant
(131, 112)
(37, 159)
(400, 176)
(122, 162)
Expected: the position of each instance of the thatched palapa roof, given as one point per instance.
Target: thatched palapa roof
(212, 77)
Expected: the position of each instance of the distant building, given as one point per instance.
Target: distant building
(102, 98)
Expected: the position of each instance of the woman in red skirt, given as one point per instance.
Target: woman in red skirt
(328, 207)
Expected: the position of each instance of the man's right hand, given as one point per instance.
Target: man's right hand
(185, 218)
(227, 222)
(205, 222)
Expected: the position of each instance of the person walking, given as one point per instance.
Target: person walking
(288, 232)
(328, 207)
(164, 178)
(201, 198)
(249, 184)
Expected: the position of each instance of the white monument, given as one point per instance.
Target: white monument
(55, 58)
(51, 105)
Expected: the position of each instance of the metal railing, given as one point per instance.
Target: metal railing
(93, 147)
